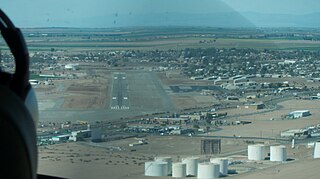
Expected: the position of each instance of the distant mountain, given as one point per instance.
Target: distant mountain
(283, 20)
(221, 19)
(231, 19)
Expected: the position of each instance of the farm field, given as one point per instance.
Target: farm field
(74, 39)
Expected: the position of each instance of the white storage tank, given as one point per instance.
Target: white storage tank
(256, 152)
(165, 159)
(316, 153)
(156, 168)
(192, 165)
(208, 170)
(179, 170)
(223, 162)
(278, 153)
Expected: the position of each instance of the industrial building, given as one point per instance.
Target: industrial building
(197, 78)
(34, 82)
(72, 66)
(229, 86)
(193, 117)
(61, 138)
(210, 146)
(232, 98)
(181, 131)
(79, 135)
(293, 133)
(168, 120)
(298, 114)
(255, 106)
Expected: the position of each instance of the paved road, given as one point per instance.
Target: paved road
(247, 138)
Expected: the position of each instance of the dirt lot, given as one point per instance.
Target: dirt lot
(81, 160)
(301, 169)
(262, 126)
(77, 160)
(192, 101)
(83, 102)
(102, 160)
(89, 94)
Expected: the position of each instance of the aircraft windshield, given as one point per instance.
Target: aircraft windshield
(173, 88)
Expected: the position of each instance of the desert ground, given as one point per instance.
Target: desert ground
(91, 99)
(105, 160)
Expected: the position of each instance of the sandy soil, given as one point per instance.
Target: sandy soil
(83, 102)
(183, 102)
(85, 160)
(190, 101)
(89, 94)
(262, 126)
(80, 160)
(300, 169)
(77, 160)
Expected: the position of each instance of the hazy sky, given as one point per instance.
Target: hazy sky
(275, 6)
(79, 13)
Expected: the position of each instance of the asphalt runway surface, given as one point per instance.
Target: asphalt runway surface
(133, 93)
(119, 92)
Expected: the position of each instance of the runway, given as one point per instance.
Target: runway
(131, 93)
(120, 99)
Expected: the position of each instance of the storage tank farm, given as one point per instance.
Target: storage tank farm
(256, 152)
(217, 167)
(192, 165)
(278, 153)
(208, 170)
(223, 163)
(179, 170)
(156, 168)
(165, 159)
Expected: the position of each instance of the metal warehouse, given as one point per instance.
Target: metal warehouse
(298, 114)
